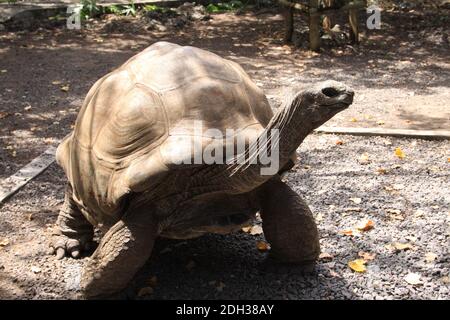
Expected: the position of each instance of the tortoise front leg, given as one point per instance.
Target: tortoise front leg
(288, 224)
(121, 253)
(73, 233)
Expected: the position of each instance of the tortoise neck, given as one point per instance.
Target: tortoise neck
(265, 157)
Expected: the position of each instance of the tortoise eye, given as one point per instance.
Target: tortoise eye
(330, 92)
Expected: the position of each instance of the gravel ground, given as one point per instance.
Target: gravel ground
(407, 199)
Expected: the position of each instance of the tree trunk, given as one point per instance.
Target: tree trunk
(289, 21)
(314, 24)
(353, 20)
(327, 23)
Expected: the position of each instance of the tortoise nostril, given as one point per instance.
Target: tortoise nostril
(330, 92)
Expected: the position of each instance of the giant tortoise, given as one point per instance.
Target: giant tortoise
(132, 175)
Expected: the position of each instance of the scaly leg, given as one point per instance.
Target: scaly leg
(73, 233)
(288, 224)
(121, 253)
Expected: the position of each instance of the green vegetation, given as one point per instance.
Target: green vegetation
(225, 6)
(129, 9)
(114, 9)
(89, 9)
(152, 7)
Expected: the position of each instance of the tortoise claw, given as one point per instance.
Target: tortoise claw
(64, 246)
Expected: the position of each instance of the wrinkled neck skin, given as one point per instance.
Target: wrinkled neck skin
(295, 120)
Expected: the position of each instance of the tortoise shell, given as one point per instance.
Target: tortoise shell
(134, 117)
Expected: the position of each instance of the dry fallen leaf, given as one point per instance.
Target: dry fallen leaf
(325, 256)
(413, 278)
(419, 213)
(430, 257)
(399, 153)
(382, 171)
(262, 246)
(357, 265)
(35, 269)
(367, 256)
(340, 143)
(400, 246)
(347, 232)
(246, 229)
(65, 88)
(365, 225)
(4, 242)
(56, 82)
(364, 159)
(356, 200)
(146, 291)
(4, 114)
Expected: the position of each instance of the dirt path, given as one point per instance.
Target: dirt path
(401, 77)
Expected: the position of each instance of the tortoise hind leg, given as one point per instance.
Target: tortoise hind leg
(121, 253)
(73, 233)
(288, 224)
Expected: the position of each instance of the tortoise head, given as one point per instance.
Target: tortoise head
(323, 100)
